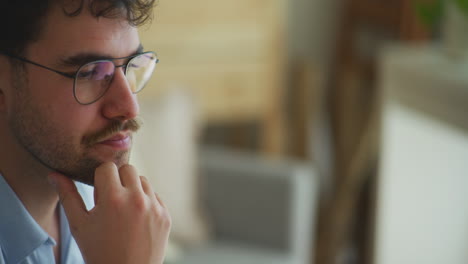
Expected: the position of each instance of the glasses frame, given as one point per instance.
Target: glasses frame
(74, 76)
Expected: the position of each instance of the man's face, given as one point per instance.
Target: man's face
(43, 115)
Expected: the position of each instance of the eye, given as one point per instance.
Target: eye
(86, 74)
(96, 71)
(134, 65)
(139, 61)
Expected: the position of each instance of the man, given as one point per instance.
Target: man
(69, 71)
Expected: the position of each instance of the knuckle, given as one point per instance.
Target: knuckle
(141, 204)
(166, 221)
(164, 218)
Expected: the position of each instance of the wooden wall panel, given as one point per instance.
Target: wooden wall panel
(230, 54)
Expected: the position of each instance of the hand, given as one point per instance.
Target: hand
(129, 223)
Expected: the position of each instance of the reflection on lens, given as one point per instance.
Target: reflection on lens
(92, 80)
(140, 70)
(132, 81)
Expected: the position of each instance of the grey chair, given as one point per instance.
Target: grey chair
(262, 211)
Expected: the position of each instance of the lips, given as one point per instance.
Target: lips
(118, 141)
(116, 137)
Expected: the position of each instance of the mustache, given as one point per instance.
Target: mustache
(114, 127)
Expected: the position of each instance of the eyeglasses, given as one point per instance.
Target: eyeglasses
(93, 79)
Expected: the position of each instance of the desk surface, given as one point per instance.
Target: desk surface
(422, 78)
(422, 210)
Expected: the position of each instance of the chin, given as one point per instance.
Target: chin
(121, 158)
(85, 173)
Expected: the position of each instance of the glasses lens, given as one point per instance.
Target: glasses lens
(139, 70)
(92, 81)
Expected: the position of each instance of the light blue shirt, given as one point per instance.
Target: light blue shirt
(23, 241)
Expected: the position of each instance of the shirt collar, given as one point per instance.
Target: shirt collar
(20, 234)
(65, 236)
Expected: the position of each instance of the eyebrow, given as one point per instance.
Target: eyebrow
(83, 58)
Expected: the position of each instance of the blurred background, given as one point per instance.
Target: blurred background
(309, 131)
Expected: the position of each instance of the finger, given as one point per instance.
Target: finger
(129, 177)
(72, 203)
(146, 186)
(160, 200)
(96, 196)
(106, 179)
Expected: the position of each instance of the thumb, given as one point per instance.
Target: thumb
(70, 199)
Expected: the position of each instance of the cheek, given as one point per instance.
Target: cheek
(69, 119)
(65, 118)
(49, 87)
(53, 95)
(3, 100)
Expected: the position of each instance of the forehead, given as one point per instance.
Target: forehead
(62, 35)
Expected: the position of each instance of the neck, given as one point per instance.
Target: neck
(28, 179)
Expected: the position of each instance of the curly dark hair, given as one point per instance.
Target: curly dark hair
(22, 20)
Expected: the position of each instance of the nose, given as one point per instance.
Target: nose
(119, 103)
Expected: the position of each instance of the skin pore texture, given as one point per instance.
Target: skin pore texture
(45, 132)
(44, 117)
